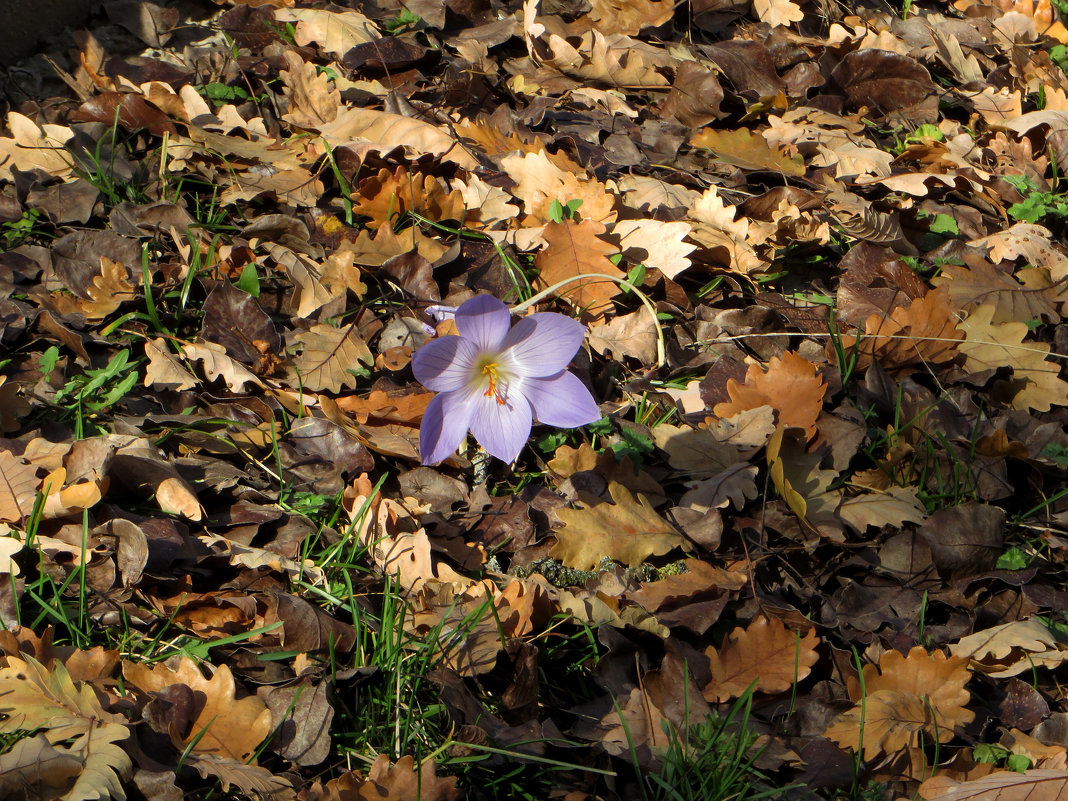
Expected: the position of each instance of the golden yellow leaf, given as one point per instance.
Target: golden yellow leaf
(628, 531)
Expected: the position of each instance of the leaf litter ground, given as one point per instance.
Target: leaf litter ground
(815, 547)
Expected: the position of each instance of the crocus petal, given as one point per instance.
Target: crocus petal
(562, 401)
(445, 423)
(502, 429)
(542, 344)
(484, 320)
(445, 364)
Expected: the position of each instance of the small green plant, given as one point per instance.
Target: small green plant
(558, 212)
(94, 391)
(220, 94)
(14, 233)
(1036, 205)
(996, 755)
(403, 19)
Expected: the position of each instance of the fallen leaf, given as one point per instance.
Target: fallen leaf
(765, 654)
(627, 530)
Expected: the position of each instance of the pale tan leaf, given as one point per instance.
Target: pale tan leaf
(631, 335)
(108, 290)
(164, 371)
(388, 131)
(890, 507)
(998, 642)
(218, 365)
(306, 277)
(778, 12)
(18, 487)
(888, 722)
(336, 32)
(655, 244)
(35, 147)
(1035, 383)
(312, 103)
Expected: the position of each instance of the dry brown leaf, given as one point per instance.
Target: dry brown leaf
(218, 365)
(628, 531)
(765, 654)
(629, 17)
(312, 103)
(575, 249)
(890, 507)
(924, 332)
(748, 150)
(328, 357)
(791, 385)
(223, 724)
(1030, 785)
(801, 482)
(1035, 383)
(389, 194)
(108, 291)
(18, 487)
(905, 695)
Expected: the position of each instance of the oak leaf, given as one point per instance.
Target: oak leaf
(540, 181)
(924, 332)
(765, 654)
(1035, 383)
(218, 365)
(35, 147)
(328, 357)
(655, 244)
(630, 16)
(389, 194)
(904, 696)
(628, 531)
(223, 724)
(791, 385)
(631, 335)
(890, 507)
(336, 32)
(312, 103)
(388, 131)
(574, 249)
(748, 150)
(164, 371)
(108, 291)
(18, 487)
(778, 12)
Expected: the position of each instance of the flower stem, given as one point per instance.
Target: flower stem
(660, 357)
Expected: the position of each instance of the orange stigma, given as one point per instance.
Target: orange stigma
(495, 384)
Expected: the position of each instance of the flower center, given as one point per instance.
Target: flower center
(498, 386)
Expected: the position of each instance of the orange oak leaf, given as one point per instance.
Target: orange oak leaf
(924, 332)
(792, 386)
(575, 249)
(765, 652)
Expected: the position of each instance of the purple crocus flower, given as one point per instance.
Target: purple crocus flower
(495, 379)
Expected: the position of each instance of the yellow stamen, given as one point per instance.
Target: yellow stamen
(490, 370)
